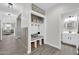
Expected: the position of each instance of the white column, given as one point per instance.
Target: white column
(40, 41)
(77, 49)
(77, 40)
(35, 44)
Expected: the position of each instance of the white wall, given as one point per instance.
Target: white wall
(54, 22)
(25, 10)
(5, 18)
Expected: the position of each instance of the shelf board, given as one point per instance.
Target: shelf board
(37, 14)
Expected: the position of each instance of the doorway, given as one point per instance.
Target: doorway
(11, 42)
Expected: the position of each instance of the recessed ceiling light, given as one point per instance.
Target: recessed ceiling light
(10, 3)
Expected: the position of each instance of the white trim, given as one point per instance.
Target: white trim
(45, 26)
(38, 14)
(29, 33)
(54, 46)
(1, 30)
(60, 30)
(28, 52)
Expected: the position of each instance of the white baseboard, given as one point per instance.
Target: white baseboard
(54, 46)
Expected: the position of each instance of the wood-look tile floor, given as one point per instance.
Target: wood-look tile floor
(48, 50)
(11, 46)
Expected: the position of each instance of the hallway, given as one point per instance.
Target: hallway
(11, 46)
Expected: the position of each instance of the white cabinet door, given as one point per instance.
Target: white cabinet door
(66, 38)
(70, 38)
(74, 39)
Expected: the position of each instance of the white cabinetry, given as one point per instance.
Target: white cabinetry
(70, 38)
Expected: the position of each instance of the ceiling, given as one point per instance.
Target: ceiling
(45, 6)
(5, 8)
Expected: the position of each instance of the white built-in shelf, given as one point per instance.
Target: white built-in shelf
(38, 14)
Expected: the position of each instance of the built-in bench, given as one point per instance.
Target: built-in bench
(38, 38)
